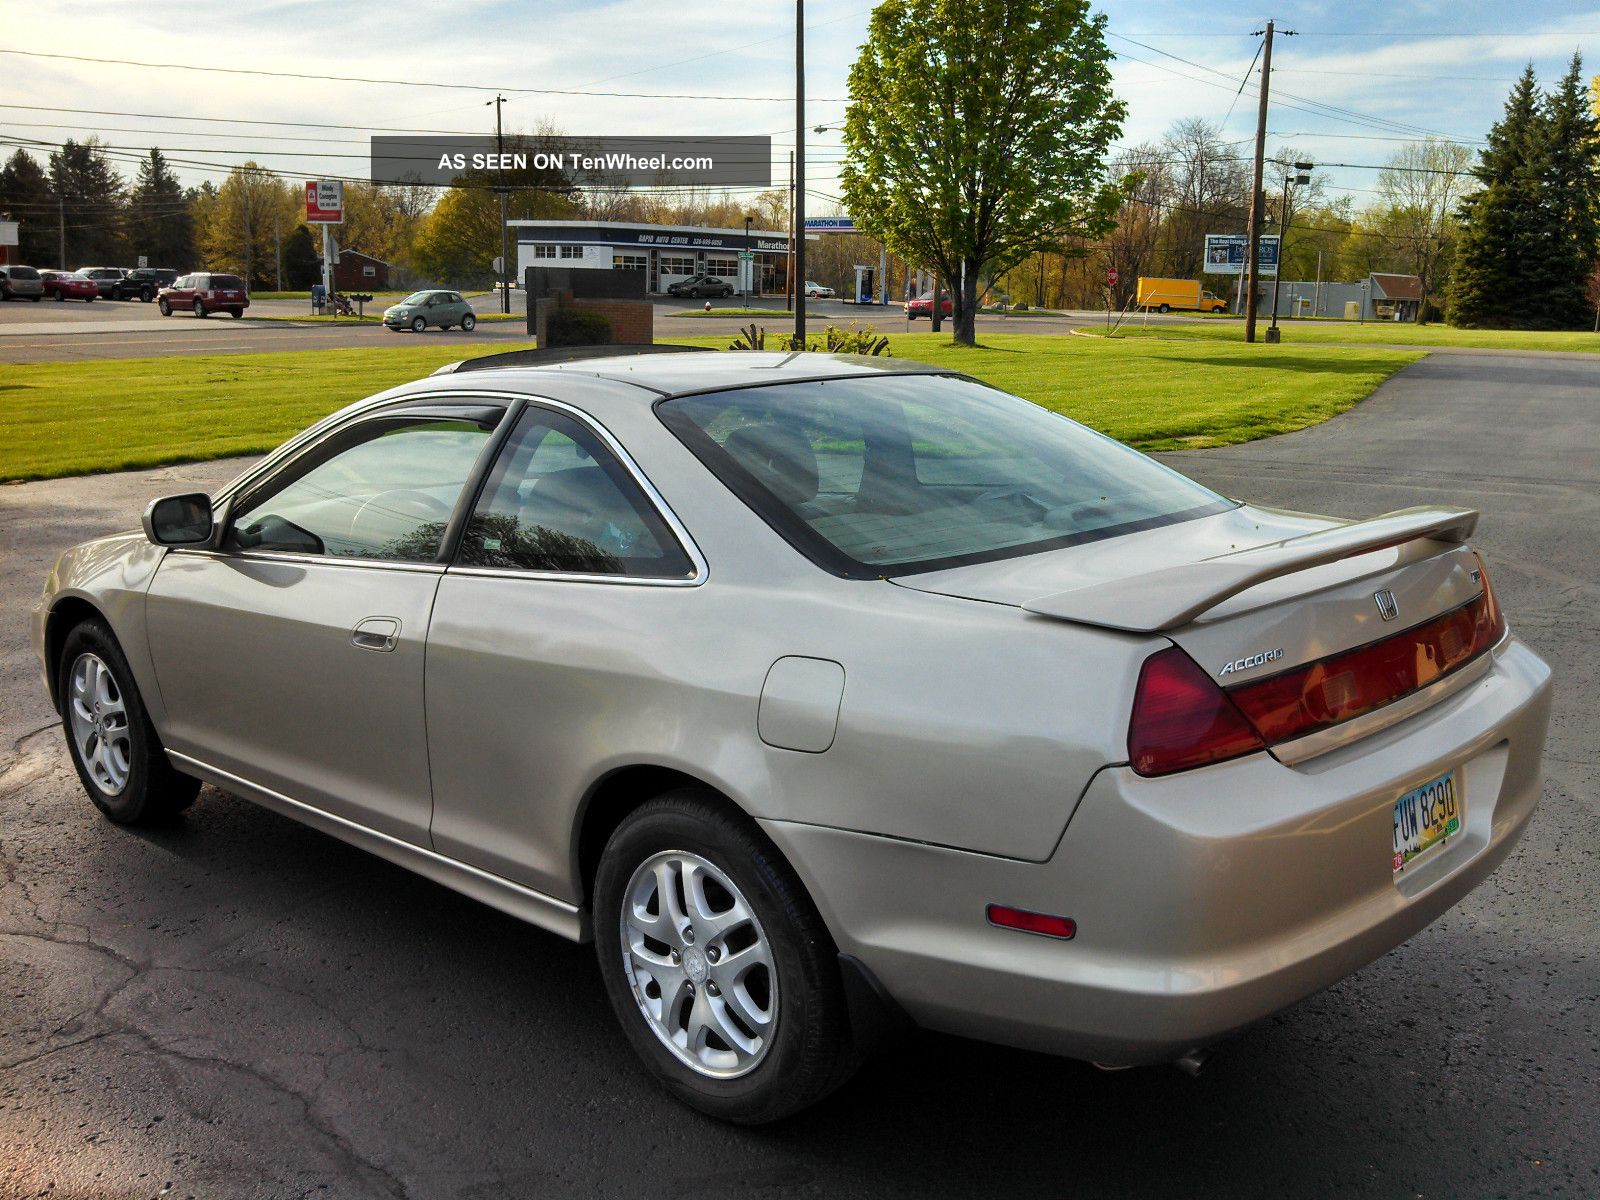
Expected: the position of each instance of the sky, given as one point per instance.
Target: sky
(1359, 78)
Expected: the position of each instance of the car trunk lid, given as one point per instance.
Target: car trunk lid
(1252, 594)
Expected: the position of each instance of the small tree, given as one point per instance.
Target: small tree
(978, 135)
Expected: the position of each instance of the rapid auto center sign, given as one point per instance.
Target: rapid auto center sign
(324, 202)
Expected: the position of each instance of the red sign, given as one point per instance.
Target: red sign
(324, 202)
(1111, 277)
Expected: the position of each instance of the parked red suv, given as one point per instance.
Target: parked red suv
(205, 293)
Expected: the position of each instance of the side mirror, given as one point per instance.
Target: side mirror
(179, 520)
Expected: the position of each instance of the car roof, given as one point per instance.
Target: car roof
(699, 371)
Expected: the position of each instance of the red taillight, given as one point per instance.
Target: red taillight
(1347, 685)
(1032, 922)
(1182, 719)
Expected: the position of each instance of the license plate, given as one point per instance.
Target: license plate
(1426, 816)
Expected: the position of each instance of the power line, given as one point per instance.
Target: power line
(428, 83)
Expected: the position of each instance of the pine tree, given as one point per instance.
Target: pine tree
(1571, 193)
(302, 265)
(1493, 273)
(26, 197)
(83, 177)
(159, 226)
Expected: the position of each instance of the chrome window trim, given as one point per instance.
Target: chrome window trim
(311, 560)
(1324, 740)
(702, 570)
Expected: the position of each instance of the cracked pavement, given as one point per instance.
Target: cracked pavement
(238, 1006)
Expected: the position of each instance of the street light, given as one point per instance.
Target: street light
(1300, 176)
(749, 261)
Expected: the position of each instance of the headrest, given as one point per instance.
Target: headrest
(781, 459)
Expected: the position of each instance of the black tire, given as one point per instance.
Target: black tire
(812, 1052)
(154, 791)
(236, 313)
(200, 309)
(468, 323)
(88, 299)
(37, 298)
(1165, 308)
(146, 295)
(60, 296)
(165, 306)
(418, 324)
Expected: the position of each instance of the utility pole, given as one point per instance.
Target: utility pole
(61, 213)
(1256, 198)
(500, 150)
(789, 296)
(799, 171)
(277, 246)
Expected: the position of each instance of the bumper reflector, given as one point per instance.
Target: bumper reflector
(1044, 924)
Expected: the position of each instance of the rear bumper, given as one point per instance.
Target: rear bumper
(1204, 901)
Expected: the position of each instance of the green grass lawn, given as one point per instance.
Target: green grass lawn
(1373, 333)
(76, 418)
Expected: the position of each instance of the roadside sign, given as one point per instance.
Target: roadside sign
(499, 265)
(747, 271)
(324, 202)
(1225, 254)
(1111, 277)
(831, 225)
(144, 260)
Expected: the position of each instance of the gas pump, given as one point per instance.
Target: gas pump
(865, 277)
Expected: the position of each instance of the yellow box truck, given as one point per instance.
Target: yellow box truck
(1165, 295)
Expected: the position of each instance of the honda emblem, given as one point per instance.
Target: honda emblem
(1388, 609)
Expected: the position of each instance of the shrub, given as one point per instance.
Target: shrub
(578, 327)
(857, 339)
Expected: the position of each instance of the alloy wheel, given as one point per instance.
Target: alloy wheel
(100, 723)
(699, 964)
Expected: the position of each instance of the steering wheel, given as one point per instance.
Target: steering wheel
(407, 503)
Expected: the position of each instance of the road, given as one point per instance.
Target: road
(238, 1006)
(72, 331)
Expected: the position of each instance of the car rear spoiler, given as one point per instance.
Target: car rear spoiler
(1174, 596)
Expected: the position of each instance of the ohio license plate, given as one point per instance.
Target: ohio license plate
(1425, 816)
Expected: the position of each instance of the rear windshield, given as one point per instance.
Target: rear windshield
(23, 273)
(226, 281)
(900, 473)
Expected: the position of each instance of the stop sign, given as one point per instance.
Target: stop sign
(1111, 277)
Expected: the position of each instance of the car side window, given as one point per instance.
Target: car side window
(384, 490)
(558, 500)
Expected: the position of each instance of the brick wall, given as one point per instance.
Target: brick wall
(632, 321)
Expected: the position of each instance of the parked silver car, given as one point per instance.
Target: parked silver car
(436, 306)
(21, 283)
(822, 693)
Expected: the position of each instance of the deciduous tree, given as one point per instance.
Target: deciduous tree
(978, 134)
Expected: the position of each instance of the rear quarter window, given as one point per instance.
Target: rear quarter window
(226, 281)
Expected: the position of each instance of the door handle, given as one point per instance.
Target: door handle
(376, 633)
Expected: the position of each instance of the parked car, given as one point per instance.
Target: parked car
(20, 283)
(105, 279)
(204, 293)
(433, 306)
(144, 282)
(922, 306)
(817, 291)
(702, 287)
(69, 285)
(823, 692)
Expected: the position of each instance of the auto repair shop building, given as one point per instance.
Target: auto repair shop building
(665, 253)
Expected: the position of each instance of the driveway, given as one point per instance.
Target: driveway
(238, 1006)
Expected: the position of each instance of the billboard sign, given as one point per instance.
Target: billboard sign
(324, 202)
(1226, 252)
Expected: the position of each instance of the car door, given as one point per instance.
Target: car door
(292, 657)
(543, 640)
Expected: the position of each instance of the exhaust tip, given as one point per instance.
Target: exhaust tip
(1193, 1063)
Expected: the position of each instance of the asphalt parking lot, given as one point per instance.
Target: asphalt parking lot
(238, 1006)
